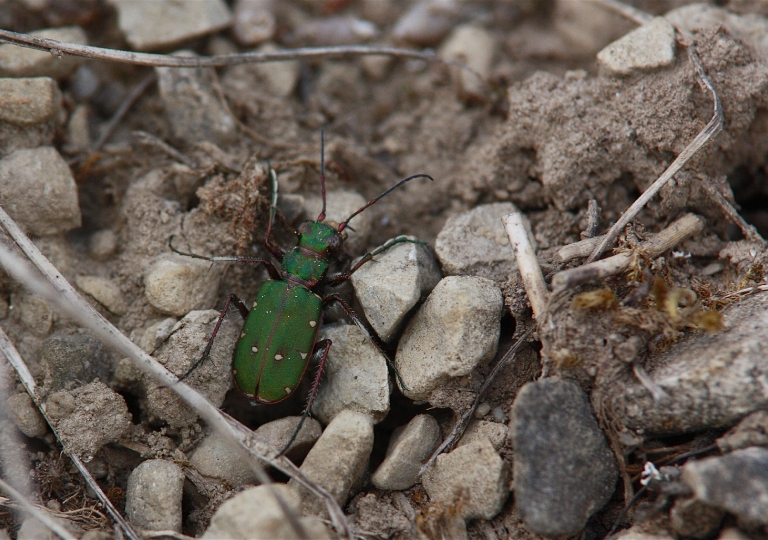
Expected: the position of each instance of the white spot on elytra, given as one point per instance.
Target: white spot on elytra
(234, 372)
(278, 357)
(242, 335)
(287, 390)
(255, 304)
(312, 323)
(254, 349)
(303, 355)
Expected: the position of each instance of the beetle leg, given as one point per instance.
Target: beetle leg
(273, 272)
(362, 326)
(231, 299)
(321, 348)
(343, 276)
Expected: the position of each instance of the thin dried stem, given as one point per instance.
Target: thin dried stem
(36, 512)
(628, 12)
(59, 48)
(61, 294)
(705, 135)
(593, 217)
(749, 231)
(686, 226)
(125, 106)
(527, 262)
(582, 248)
(150, 140)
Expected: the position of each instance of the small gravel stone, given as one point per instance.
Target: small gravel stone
(176, 285)
(34, 313)
(736, 482)
(474, 47)
(71, 360)
(341, 205)
(278, 433)
(751, 431)
(637, 533)
(254, 21)
(456, 329)
(474, 243)
(473, 478)
(153, 496)
(393, 283)
(214, 457)
(184, 347)
(88, 417)
(481, 429)
(29, 101)
(408, 450)
(156, 334)
(102, 244)
(33, 529)
(18, 61)
(194, 110)
(356, 376)
(482, 410)
(38, 191)
(78, 133)
(426, 23)
(281, 77)
(564, 471)
(692, 518)
(732, 533)
(255, 513)
(334, 31)
(649, 47)
(338, 460)
(105, 291)
(26, 416)
(161, 24)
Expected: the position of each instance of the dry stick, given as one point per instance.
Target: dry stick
(629, 12)
(461, 424)
(65, 297)
(705, 135)
(528, 264)
(36, 512)
(686, 226)
(125, 106)
(18, 364)
(58, 48)
(150, 140)
(746, 229)
(582, 248)
(593, 216)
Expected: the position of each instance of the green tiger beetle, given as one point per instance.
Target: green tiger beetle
(279, 338)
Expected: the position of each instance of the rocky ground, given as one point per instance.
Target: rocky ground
(646, 385)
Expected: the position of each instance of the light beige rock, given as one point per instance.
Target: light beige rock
(29, 101)
(649, 47)
(105, 291)
(176, 285)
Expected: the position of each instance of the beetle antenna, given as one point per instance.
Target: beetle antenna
(321, 217)
(344, 223)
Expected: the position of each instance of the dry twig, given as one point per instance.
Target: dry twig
(36, 512)
(125, 106)
(527, 262)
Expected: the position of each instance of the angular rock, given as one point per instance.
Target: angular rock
(153, 496)
(280, 77)
(105, 291)
(474, 243)
(29, 101)
(456, 329)
(333, 31)
(184, 347)
(649, 47)
(474, 47)
(393, 283)
(564, 471)
(712, 380)
(255, 513)
(736, 483)
(338, 460)
(356, 376)
(732, 533)
(427, 22)
(102, 244)
(26, 416)
(38, 191)
(34, 313)
(156, 334)
(408, 450)
(18, 61)
(692, 518)
(340, 205)
(254, 21)
(161, 24)
(478, 429)
(71, 360)
(278, 433)
(751, 431)
(88, 417)
(176, 285)
(78, 133)
(473, 478)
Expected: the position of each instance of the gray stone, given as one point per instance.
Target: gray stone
(184, 347)
(34, 313)
(161, 24)
(472, 478)
(255, 513)
(278, 433)
(18, 61)
(153, 496)
(29, 101)
(649, 47)
(33, 529)
(26, 416)
(280, 77)
(102, 244)
(408, 450)
(474, 243)
(712, 380)
(736, 483)
(481, 429)
(215, 457)
(194, 110)
(456, 329)
(564, 471)
(751, 431)
(340, 205)
(356, 376)
(333, 31)
(156, 334)
(472, 46)
(38, 191)
(426, 23)
(732, 533)
(338, 460)
(254, 21)
(78, 133)
(692, 518)
(389, 286)
(105, 291)
(176, 285)
(71, 360)
(87, 418)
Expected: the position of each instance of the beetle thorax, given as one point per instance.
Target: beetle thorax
(309, 260)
